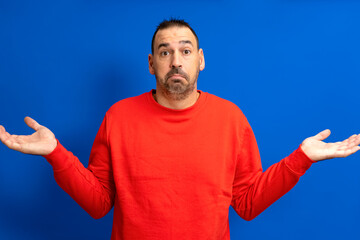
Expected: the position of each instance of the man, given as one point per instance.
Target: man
(172, 161)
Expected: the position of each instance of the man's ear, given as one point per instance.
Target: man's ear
(202, 59)
(151, 68)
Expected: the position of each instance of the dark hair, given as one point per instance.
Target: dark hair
(172, 22)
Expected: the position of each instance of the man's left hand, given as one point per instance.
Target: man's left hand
(317, 150)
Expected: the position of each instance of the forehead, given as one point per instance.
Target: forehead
(174, 35)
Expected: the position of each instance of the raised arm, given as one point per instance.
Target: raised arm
(92, 188)
(255, 190)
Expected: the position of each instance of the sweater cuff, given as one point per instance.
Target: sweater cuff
(299, 162)
(59, 158)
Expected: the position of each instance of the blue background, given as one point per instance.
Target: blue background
(292, 66)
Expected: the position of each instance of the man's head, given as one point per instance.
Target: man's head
(176, 59)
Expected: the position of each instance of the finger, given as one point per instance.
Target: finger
(7, 139)
(322, 135)
(32, 123)
(347, 152)
(7, 135)
(20, 139)
(12, 145)
(3, 134)
(355, 149)
(350, 139)
(356, 140)
(2, 130)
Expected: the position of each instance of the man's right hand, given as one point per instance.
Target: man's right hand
(41, 142)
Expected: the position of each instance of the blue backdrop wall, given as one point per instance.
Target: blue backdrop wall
(293, 67)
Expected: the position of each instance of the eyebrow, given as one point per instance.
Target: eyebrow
(186, 42)
(163, 45)
(181, 42)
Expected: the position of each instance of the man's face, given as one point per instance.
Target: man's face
(176, 61)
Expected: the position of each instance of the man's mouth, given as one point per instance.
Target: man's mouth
(176, 77)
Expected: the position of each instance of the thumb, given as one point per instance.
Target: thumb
(32, 123)
(322, 135)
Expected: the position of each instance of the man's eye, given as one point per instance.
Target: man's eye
(164, 53)
(187, 51)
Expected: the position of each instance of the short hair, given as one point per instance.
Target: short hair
(172, 22)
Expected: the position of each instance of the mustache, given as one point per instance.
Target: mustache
(177, 71)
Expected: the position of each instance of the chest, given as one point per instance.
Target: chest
(185, 152)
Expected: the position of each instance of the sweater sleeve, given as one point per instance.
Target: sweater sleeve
(255, 190)
(93, 187)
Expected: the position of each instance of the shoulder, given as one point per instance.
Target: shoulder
(128, 105)
(223, 105)
(225, 115)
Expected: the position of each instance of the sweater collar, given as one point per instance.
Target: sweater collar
(194, 108)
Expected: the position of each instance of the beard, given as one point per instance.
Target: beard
(177, 88)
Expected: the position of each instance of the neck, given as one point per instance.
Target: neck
(174, 102)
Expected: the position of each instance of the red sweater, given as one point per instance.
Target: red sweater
(172, 174)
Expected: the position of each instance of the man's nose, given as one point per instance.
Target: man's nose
(176, 60)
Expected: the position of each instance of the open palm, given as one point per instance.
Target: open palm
(318, 150)
(41, 142)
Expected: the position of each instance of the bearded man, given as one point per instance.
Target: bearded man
(171, 161)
